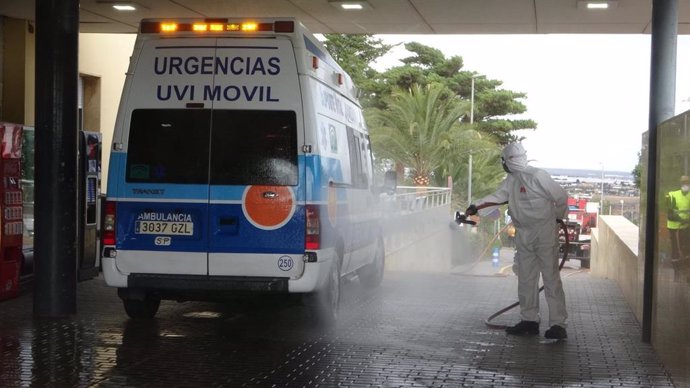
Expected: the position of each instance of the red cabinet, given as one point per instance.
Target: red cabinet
(11, 217)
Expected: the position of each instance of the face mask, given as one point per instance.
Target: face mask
(505, 166)
(685, 188)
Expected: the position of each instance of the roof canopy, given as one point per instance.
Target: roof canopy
(385, 16)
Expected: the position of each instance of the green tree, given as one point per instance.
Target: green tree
(637, 171)
(432, 153)
(491, 103)
(419, 128)
(424, 66)
(487, 172)
(355, 54)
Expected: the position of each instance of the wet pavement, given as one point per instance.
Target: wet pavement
(417, 330)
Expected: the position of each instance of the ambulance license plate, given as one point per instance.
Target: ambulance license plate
(164, 228)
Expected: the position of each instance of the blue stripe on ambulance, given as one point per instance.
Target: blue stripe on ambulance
(124, 191)
(233, 233)
(221, 226)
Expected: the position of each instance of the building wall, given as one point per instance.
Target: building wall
(671, 316)
(17, 75)
(103, 62)
(29, 75)
(614, 256)
(105, 57)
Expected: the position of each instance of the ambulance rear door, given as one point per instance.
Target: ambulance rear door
(162, 202)
(257, 171)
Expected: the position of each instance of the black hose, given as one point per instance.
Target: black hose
(512, 306)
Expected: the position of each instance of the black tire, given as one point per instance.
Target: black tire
(325, 302)
(142, 309)
(371, 275)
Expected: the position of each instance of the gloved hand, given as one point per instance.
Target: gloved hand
(471, 210)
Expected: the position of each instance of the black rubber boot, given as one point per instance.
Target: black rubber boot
(524, 328)
(556, 332)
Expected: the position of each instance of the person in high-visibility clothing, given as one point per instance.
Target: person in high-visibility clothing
(535, 203)
(678, 220)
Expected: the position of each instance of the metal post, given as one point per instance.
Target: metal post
(602, 188)
(469, 182)
(57, 38)
(685, 134)
(472, 102)
(469, 168)
(662, 94)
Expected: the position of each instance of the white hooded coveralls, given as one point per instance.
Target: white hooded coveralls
(535, 201)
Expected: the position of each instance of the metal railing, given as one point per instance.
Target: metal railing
(411, 199)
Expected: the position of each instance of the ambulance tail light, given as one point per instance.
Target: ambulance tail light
(108, 232)
(313, 228)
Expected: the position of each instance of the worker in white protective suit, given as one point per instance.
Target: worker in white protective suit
(535, 202)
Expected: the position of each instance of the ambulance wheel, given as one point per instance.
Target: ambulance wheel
(325, 302)
(371, 275)
(142, 309)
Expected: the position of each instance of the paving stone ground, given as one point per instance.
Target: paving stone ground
(417, 330)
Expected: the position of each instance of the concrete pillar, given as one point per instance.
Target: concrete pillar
(55, 244)
(662, 96)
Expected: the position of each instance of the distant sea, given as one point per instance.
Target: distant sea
(590, 174)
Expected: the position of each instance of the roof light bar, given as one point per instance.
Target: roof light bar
(155, 27)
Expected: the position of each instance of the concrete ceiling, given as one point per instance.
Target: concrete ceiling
(384, 16)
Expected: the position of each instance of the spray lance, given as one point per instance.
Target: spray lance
(462, 218)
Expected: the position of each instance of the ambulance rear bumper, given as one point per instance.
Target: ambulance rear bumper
(313, 277)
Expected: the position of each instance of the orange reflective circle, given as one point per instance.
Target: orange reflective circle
(268, 207)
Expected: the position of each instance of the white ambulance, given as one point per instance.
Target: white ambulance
(240, 163)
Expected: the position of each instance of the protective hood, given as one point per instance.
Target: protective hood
(515, 157)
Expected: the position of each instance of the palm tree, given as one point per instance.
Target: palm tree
(487, 172)
(418, 128)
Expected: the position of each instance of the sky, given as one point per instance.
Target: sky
(589, 94)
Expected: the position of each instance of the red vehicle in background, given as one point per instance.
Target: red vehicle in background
(581, 220)
(580, 212)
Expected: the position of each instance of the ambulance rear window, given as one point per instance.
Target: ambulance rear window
(247, 147)
(168, 146)
(254, 147)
